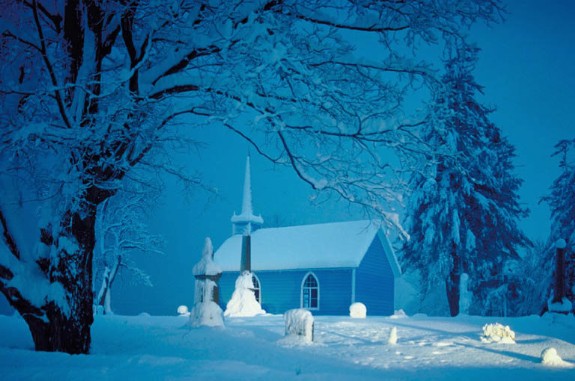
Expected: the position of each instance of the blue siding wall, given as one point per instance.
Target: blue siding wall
(375, 281)
(281, 290)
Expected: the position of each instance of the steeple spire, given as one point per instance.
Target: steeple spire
(247, 208)
(246, 222)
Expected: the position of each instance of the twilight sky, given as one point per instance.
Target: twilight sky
(527, 66)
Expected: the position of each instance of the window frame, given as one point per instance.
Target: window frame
(258, 295)
(304, 287)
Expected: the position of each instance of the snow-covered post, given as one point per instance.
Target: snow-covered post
(206, 311)
(559, 289)
(558, 302)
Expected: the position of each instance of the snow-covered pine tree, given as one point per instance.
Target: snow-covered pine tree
(561, 200)
(463, 210)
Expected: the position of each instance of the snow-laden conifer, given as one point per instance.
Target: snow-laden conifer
(464, 207)
(561, 201)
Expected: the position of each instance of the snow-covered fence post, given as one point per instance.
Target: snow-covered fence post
(206, 310)
(299, 322)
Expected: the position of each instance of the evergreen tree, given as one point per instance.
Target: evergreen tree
(562, 204)
(464, 206)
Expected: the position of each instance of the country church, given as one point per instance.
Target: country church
(322, 267)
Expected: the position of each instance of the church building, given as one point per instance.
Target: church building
(322, 267)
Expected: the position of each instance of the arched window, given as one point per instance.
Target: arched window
(310, 292)
(257, 289)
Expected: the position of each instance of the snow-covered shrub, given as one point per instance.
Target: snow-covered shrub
(183, 310)
(299, 322)
(498, 333)
(243, 302)
(358, 310)
(392, 340)
(550, 357)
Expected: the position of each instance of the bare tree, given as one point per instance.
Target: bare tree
(89, 88)
(122, 235)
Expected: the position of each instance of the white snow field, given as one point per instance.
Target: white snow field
(166, 348)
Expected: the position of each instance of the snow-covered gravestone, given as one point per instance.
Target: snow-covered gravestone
(357, 310)
(243, 302)
(299, 322)
(206, 311)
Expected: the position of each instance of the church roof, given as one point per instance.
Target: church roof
(331, 245)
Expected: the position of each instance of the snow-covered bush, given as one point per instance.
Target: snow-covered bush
(498, 333)
(299, 322)
(243, 302)
(358, 310)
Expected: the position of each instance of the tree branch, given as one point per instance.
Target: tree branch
(8, 238)
(49, 66)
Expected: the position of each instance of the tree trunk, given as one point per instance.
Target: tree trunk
(105, 295)
(65, 325)
(62, 333)
(452, 284)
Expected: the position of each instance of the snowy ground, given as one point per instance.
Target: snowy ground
(163, 348)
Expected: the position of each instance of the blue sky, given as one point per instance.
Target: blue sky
(527, 66)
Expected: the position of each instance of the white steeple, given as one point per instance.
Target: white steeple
(246, 222)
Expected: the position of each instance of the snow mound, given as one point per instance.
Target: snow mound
(183, 310)
(550, 357)
(299, 322)
(207, 314)
(399, 314)
(498, 333)
(243, 302)
(564, 306)
(358, 310)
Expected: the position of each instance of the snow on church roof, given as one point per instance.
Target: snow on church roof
(332, 245)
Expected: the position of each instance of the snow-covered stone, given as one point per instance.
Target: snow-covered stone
(498, 333)
(358, 310)
(243, 302)
(550, 357)
(299, 322)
